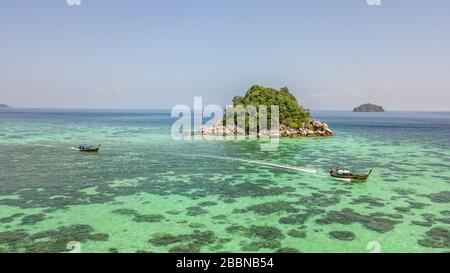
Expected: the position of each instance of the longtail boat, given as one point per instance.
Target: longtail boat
(88, 148)
(345, 174)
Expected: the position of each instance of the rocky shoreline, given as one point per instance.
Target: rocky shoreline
(315, 128)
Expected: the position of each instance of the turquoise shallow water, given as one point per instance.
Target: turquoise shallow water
(146, 192)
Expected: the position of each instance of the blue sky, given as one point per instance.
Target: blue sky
(156, 54)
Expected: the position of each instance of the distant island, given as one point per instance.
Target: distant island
(3, 106)
(368, 107)
(294, 119)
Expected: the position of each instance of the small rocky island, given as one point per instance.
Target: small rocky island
(293, 118)
(4, 106)
(368, 107)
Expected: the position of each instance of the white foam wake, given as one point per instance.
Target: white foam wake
(274, 165)
(258, 162)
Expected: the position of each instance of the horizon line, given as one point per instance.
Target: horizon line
(168, 109)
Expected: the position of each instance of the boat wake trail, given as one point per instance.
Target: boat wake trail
(273, 165)
(303, 169)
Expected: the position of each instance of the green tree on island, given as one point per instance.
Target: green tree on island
(291, 113)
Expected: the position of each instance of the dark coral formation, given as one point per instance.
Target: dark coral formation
(185, 248)
(140, 218)
(11, 218)
(403, 209)
(253, 189)
(12, 240)
(372, 201)
(49, 241)
(404, 191)
(288, 250)
(235, 229)
(376, 222)
(272, 207)
(33, 219)
(320, 199)
(195, 211)
(294, 219)
(438, 237)
(267, 244)
(266, 236)
(343, 235)
(416, 205)
(440, 197)
(297, 233)
(196, 225)
(445, 213)
(265, 232)
(192, 242)
(149, 218)
(346, 216)
(430, 219)
(207, 204)
(125, 211)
